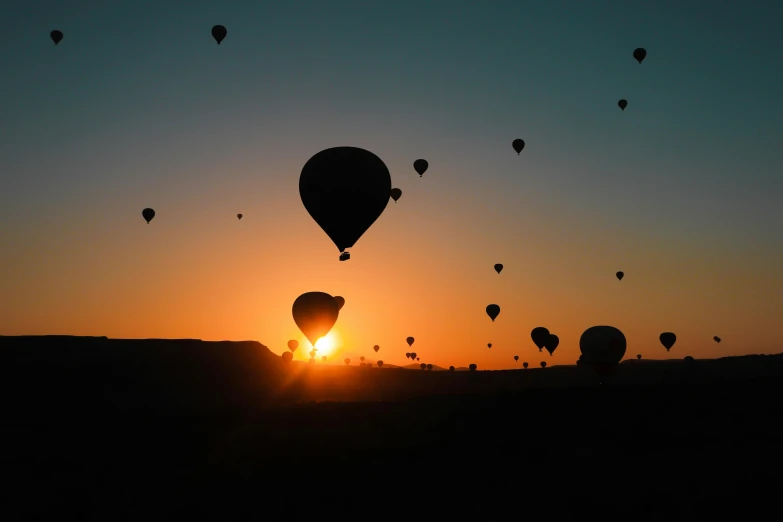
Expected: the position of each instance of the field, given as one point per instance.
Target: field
(97, 429)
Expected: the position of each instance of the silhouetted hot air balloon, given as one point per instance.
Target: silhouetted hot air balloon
(451, 368)
(489, 345)
(313, 353)
(340, 300)
(347, 361)
(423, 366)
(518, 145)
(413, 356)
(640, 54)
(395, 194)
(315, 314)
(516, 358)
(323, 358)
(56, 36)
(716, 339)
(345, 189)
(493, 311)
(524, 365)
(498, 268)
(219, 32)
(361, 358)
(620, 276)
(379, 363)
(667, 340)
(409, 340)
(376, 348)
(293, 345)
(421, 166)
(638, 356)
(408, 355)
(543, 364)
(473, 367)
(429, 367)
(622, 104)
(239, 216)
(540, 336)
(552, 341)
(417, 358)
(602, 348)
(148, 214)
(287, 357)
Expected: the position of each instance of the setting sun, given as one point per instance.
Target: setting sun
(327, 344)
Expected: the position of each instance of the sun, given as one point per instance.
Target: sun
(327, 344)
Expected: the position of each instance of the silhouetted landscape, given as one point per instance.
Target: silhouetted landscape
(112, 429)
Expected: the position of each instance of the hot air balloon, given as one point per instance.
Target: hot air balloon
(473, 367)
(345, 189)
(361, 358)
(498, 268)
(239, 216)
(340, 300)
(602, 347)
(516, 358)
(451, 368)
(287, 356)
(429, 367)
(315, 314)
(423, 366)
(417, 358)
(395, 194)
(408, 355)
(540, 336)
(489, 345)
(620, 275)
(524, 365)
(689, 358)
(323, 358)
(376, 348)
(640, 54)
(313, 353)
(552, 341)
(219, 32)
(56, 36)
(622, 104)
(667, 340)
(293, 345)
(148, 214)
(413, 356)
(716, 339)
(409, 340)
(543, 364)
(639, 356)
(380, 364)
(493, 311)
(421, 166)
(518, 145)
(347, 361)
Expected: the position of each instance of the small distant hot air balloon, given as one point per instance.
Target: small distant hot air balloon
(518, 145)
(409, 340)
(543, 364)
(451, 368)
(395, 194)
(408, 355)
(498, 268)
(340, 300)
(622, 104)
(551, 343)
(376, 348)
(287, 356)
(473, 367)
(524, 365)
(239, 216)
(638, 356)
(148, 214)
(421, 166)
(361, 358)
(489, 345)
(219, 32)
(667, 340)
(620, 275)
(516, 358)
(493, 311)
(423, 366)
(56, 36)
(379, 363)
(347, 361)
(429, 367)
(716, 339)
(640, 54)
(540, 336)
(293, 345)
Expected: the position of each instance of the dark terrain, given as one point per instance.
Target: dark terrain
(97, 429)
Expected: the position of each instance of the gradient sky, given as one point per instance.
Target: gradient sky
(139, 107)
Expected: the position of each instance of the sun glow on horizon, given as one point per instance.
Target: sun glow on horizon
(327, 344)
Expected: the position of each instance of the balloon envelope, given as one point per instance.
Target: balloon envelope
(376, 348)
(395, 194)
(518, 145)
(540, 336)
(602, 344)
(340, 300)
(413, 356)
(640, 54)
(421, 166)
(516, 357)
(409, 340)
(493, 311)
(524, 365)
(347, 361)
(56, 36)
(620, 276)
(667, 340)
(345, 189)
(315, 314)
(489, 345)
(293, 345)
(239, 216)
(287, 356)
(498, 268)
(543, 364)
(622, 104)
(219, 32)
(148, 214)
(551, 343)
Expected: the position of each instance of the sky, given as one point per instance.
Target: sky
(139, 107)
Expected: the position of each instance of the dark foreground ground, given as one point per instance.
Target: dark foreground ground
(86, 437)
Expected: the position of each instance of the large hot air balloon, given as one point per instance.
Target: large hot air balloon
(395, 194)
(498, 268)
(293, 344)
(148, 214)
(219, 32)
(315, 314)
(493, 311)
(622, 104)
(376, 348)
(540, 336)
(413, 356)
(516, 358)
(489, 345)
(56, 36)
(421, 166)
(524, 365)
(345, 189)
(409, 340)
(340, 300)
(518, 145)
(667, 340)
(287, 357)
(602, 347)
(239, 216)
(640, 54)
(620, 276)
(552, 341)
